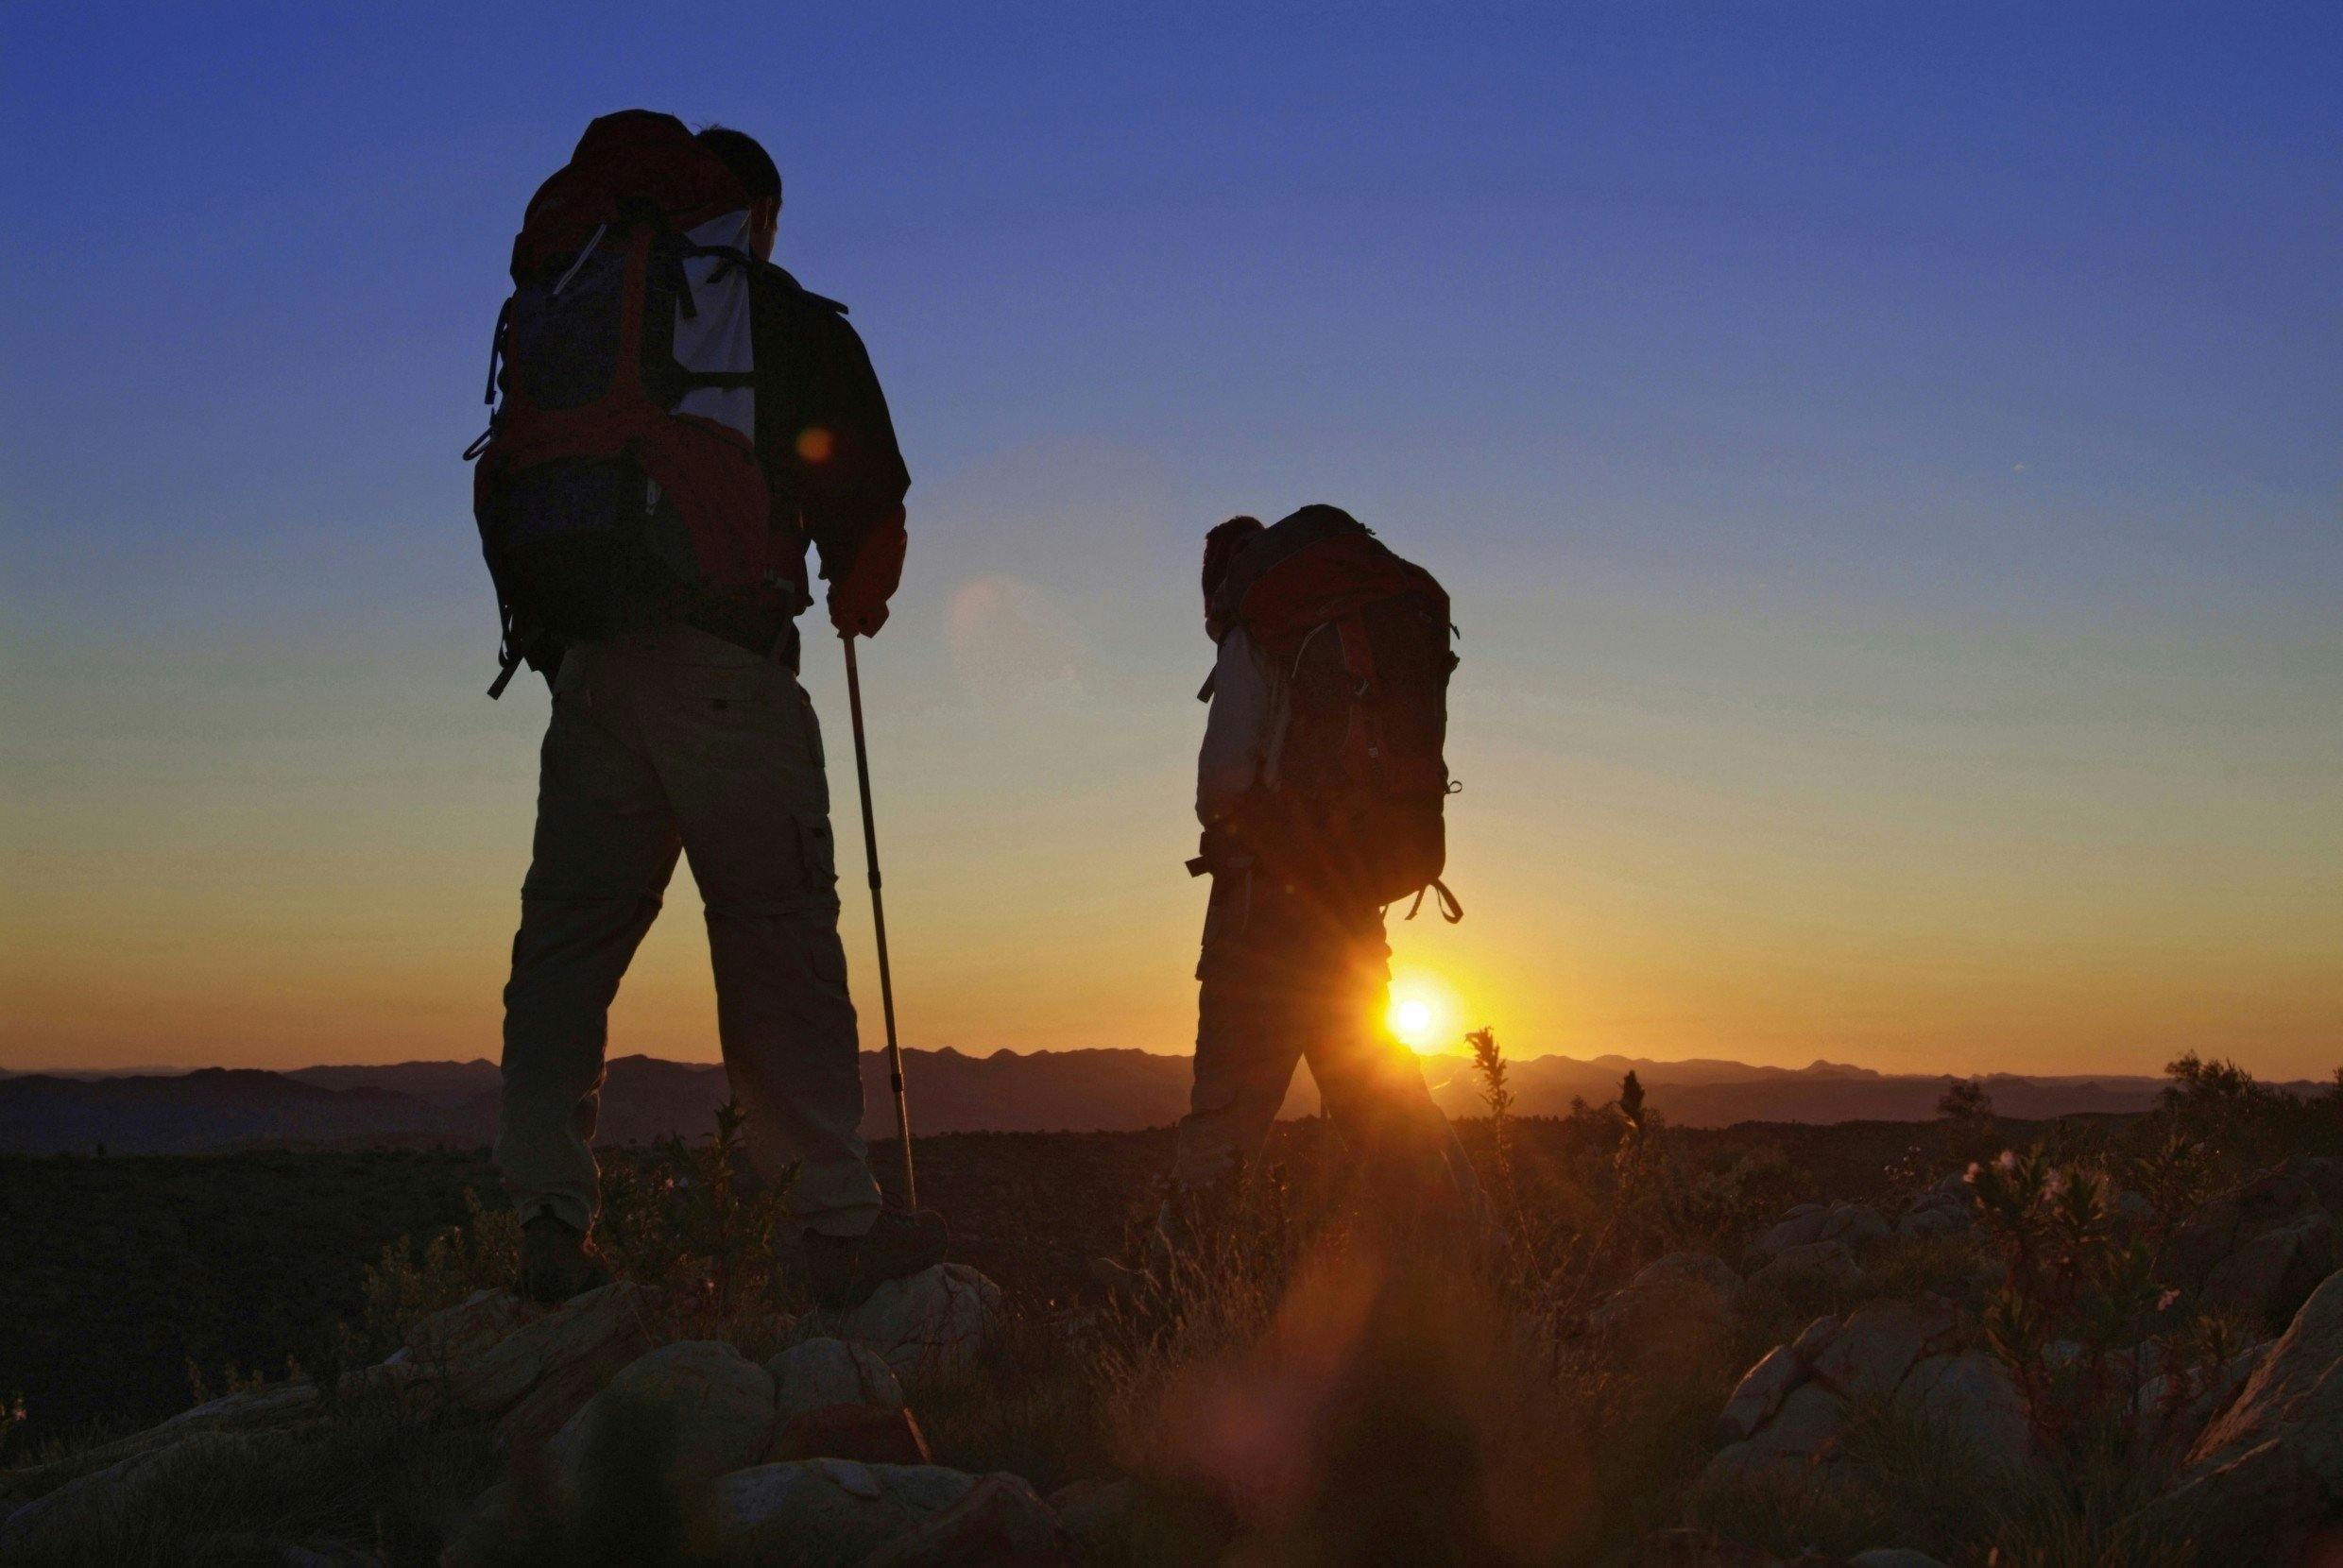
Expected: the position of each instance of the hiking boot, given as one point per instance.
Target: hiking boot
(843, 1271)
(558, 1262)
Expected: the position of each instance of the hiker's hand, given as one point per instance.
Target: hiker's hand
(857, 601)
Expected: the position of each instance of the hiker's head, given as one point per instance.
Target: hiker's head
(1221, 547)
(753, 168)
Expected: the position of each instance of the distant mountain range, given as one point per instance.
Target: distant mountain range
(1009, 1092)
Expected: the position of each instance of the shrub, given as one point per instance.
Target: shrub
(411, 1281)
(693, 1220)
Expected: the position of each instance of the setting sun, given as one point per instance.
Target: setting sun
(1418, 1014)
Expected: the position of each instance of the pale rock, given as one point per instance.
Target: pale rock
(2266, 1278)
(1856, 1225)
(2269, 1468)
(1970, 1398)
(814, 1374)
(1876, 1345)
(1851, 1225)
(466, 1329)
(533, 1379)
(2172, 1410)
(112, 1488)
(711, 1405)
(1936, 1215)
(1809, 1418)
(940, 1316)
(1801, 1227)
(2220, 1253)
(272, 1406)
(1001, 1520)
(1814, 1338)
(826, 1513)
(1758, 1395)
(1828, 1262)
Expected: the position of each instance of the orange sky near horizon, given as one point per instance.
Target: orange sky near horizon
(1826, 852)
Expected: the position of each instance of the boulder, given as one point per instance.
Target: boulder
(1877, 1345)
(2172, 1410)
(711, 1406)
(1796, 1228)
(814, 1374)
(1855, 1224)
(1814, 1338)
(272, 1406)
(1809, 1418)
(1851, 1225)
(533, 1380)
(826, 1513)
(867, 1434)
(1970, 1398)
(1674, 1315)
(1941, 1209)
(2220, 1252)
(1001, 1520)
(113, 1487)
(939, 1318)
(2267, 1472)
(1758, 1395)
(473, 1325)
(1828, 1262)
(2266, 1278)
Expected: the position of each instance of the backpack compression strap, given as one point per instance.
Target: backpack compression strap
(1445, 902)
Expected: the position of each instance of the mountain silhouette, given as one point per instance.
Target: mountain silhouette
(1104, 1090)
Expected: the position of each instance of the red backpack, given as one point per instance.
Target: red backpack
(1362, 638)
(618, 479)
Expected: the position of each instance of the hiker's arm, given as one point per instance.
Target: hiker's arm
(1229, 763)
(853, 479)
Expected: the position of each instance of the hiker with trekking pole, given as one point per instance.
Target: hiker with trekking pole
(674, 418)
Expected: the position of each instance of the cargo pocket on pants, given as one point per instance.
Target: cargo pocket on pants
(817, 861)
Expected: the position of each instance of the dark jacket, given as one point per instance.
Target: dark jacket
(828, 446)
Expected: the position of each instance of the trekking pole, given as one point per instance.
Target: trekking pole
(878, 924)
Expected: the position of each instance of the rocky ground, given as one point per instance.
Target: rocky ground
(2024, 1361)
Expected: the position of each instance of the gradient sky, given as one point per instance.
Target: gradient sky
(1885, 458)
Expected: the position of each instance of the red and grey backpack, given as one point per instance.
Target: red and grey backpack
(1362, 638)
(618, 478)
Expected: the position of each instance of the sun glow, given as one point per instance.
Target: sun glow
(1418, 1014)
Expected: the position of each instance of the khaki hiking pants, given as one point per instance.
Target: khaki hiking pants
(668, 742)
(1286, 978)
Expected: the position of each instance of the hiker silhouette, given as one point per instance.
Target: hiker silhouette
(1320, 785)
(675, 417)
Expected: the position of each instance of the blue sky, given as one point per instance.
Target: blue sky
(1885, 457)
